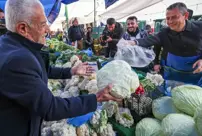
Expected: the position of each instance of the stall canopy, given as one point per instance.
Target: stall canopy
(52, 7)
(157, 11)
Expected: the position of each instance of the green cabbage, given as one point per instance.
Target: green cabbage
(163, 106)
(187, 98)
(118, 73)
(148, 127)
(198, 118)
(178, 125)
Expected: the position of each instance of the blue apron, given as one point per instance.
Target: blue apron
(180, 69)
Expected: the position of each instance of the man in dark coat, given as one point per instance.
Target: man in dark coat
(25, 100)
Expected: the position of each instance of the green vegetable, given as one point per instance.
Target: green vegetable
(187, 98)
(125, 115)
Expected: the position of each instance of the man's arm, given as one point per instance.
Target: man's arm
(59, 73)
(21, 82)
(150, 41)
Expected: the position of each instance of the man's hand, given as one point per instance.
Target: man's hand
(73, 43)
(198, 64)
(157, 68)
(104, 95)
(82, 69)
(130, 42)
(109, 39)
(101, 38)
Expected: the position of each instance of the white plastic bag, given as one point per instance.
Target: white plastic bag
(135, 56)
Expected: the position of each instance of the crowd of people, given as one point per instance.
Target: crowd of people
(24, 95)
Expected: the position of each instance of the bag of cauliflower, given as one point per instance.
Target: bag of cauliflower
(118, 73)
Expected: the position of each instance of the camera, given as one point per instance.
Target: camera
(105, 35)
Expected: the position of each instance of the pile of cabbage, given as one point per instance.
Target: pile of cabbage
(179, 115)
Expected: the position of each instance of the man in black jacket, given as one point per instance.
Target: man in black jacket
(110, 37)
(25, 100)
(76, 34)
(183, 43)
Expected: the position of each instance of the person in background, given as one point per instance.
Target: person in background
(3, 29)
(76, 34)
(133, 32)
(89, 39)
(111, 35)
(148, 29)
(183, 43)
(1, 14)
(24, 71)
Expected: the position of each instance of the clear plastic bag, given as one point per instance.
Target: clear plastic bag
(135, 56)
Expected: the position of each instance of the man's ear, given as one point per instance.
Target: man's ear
(186, 15)
(22, 28)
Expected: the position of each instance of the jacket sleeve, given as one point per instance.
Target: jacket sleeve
(59, 73)
(22, 83)
(150, 41)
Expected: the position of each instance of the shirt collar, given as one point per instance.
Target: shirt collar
(188, 26)
(25, 42)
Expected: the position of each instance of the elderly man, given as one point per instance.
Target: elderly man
(25, 98)
(183, 42)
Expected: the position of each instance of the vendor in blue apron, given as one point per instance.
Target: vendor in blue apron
(182, 39)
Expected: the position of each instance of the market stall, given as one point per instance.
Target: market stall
(149, 111)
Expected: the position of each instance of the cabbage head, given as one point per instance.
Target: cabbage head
(187, 98)
(163, 106)
(198, 118)
(118, 73)
(178, 125)
(148, 127)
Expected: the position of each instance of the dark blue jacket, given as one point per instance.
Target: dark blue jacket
(25, 99)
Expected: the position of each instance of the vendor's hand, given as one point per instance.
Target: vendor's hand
(157, 68)
(82, 69)
(130, 42)
(104, 95)
(109, 39)
(198, 64)
(73, 43)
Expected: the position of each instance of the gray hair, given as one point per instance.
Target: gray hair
(19, 10)
(178, 5)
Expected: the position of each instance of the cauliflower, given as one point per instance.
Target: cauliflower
(111, 108)
(73, 82)
(67, 65)
(63, 129)
(155, 79)
(77, 63)
(118, 73)
(83, 84)
(124, 117)
(74, 59)
(83, 130)
(72, 92)
(91, 86)
(108, 131)
(46, 131)
(99, 120)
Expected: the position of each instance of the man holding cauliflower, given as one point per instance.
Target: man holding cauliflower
(25, 99)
